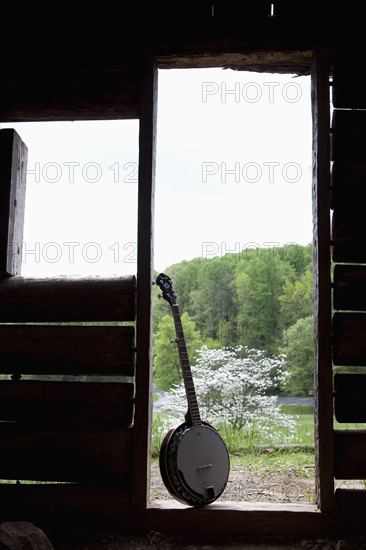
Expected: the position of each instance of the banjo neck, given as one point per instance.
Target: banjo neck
(193, 414)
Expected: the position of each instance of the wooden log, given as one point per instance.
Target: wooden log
(350, 454)
(349, 342)
(353, 502)
(350, 397)
(323, 386)
(54, 453)
(348, 93)
(64, 402)
(348, 185)
(13, 163)
(349, 287)
(348, 135)
(70, 95)
(67, 299)
(54, 349)
(348, 230)
(74, 502)
(145, 273)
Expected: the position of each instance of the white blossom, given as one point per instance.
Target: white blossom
(233, 387)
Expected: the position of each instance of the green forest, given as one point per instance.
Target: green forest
(261, 298)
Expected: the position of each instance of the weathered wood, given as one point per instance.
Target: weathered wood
(13, 169)
(349, 287)
(348, 135)
(70, 95)
(349, 342)
(75, 503)
(323, 386)
(352, 501)
(61, 402)
(348, 229)
(348, 185)
(55, 453)
(67, 299)
(145, 230)
(350, 397)
(71, 501)
(53, 349)
(348, 93)
(107, 506)
(350, 454)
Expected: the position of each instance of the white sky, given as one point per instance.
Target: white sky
(233, 169)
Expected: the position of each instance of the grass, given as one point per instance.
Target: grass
(255, 454)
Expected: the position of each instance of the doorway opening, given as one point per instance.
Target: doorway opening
(233, 230)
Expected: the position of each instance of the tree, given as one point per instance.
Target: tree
(259, 308)
(299, 351)
(231, 387)
(167, 369)
(296, 301)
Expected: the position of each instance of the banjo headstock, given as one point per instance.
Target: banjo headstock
(166, 286)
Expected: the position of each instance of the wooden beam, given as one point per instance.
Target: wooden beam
(348, 135)
(67, 299)
(51, 402)
(349, 343)
(143, 399)
(323, 380)
(106, 506)
(350, 454)
(13, 169)
(348, 229)
(348, 185)
(353, 502)
(349, 287)
(350, 397)
(70, 95)
(54, 349)
(64, 453)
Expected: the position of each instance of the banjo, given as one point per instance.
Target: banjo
(194, 461)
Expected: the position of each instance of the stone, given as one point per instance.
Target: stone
(22, 535)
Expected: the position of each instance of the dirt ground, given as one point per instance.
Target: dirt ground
(286, 487)
(242, 486)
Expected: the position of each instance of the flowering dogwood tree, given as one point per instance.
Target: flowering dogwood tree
(232, 388)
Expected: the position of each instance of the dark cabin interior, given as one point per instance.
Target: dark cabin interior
(103, 64)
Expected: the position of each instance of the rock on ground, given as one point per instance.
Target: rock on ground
(22, 535)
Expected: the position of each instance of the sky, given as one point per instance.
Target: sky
(233, 172)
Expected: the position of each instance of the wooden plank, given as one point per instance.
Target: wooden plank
(348, 93)
(349, 287)
(348, 185)
(350, 397)
(74, 502)
(59, 402)
(54, 349)
(350, 454)
(352, 501)
(349, 342)
(70, 95)
(323, 380)
(70, 453)
(145, 271)
(13, 162)
(67, 299)
(348, 135)
(348, 229)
